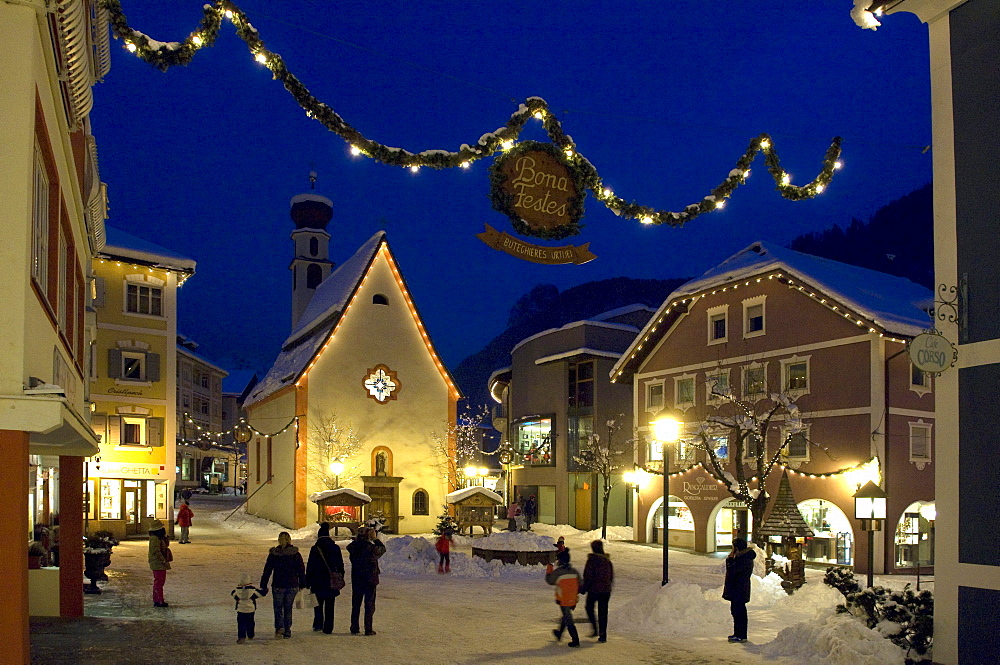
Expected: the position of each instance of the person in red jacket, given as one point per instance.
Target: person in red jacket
(443, 547)
(184, 515)
(567, 582)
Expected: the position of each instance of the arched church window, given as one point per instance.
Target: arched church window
(313, 246)
(421, 504)
(314, 275)
(379, 299)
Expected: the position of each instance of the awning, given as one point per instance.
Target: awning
(55, 427)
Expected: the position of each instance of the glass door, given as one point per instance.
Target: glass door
(132, 508)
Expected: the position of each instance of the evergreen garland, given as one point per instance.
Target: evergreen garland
(163, 56)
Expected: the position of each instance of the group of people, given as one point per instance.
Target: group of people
(521, 514)
(322, 575)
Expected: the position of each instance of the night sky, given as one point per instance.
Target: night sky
(662, 98)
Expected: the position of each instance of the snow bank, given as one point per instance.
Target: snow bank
(410, 556)
(519, 541)
(836, 639)
(677, 609)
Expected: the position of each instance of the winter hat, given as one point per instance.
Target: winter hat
(156, 525)
(244, 579)
(597, 546)
(739, 543)
(563, 556)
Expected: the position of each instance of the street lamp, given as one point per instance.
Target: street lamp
(336, 468)
(666, 430)
(869, 507)
(470, 474)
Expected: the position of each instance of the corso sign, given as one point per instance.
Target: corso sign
(932, 353)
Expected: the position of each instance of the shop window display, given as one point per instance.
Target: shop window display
(534, 442)
(111, 499)
(915, 535)
(832, 541)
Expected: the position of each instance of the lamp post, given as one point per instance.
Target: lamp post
(336, 468)
(666, 431)
(869, 507)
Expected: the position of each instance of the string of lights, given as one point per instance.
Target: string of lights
(165, 55)
(869, 467)
(236, 430)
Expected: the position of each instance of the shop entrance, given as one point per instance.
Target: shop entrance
(732, 518)
(133, 508)
(583, 501)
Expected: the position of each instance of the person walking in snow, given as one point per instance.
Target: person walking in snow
(184, 515)
(598, 578)
(567, 582)
(245, 595)
(530, 511)
(513, 510)
(443, 547)
(739, 567)
(159, 560)
(364, 551)
(324, 560)
(285, 563)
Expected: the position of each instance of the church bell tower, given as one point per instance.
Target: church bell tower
(311, 264)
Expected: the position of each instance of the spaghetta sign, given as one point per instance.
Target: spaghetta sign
(538, 189)
(535, 253)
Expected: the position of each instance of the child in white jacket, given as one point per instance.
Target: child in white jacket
(246, 595)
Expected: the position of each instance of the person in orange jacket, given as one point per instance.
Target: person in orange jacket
(443, 547)
(184, 515)
(566, 579)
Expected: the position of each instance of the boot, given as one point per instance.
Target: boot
(447, 568)
(440, 569)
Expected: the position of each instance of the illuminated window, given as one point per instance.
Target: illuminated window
(795, 376)
(754, 381)
(717, 386)
(534, 442)
(797, 446)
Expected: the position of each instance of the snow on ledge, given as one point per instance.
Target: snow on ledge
(316, 497)
(458, 495)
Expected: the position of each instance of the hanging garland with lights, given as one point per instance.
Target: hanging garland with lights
(166, 55)
(864, 467)
(242, 431)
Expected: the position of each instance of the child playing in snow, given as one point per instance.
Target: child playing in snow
(443, 546)
(246, 595)
(567, 582)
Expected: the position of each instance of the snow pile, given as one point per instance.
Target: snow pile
(517, 541)
(414, 556)
(836, 639)
(675, 609)
(614, 533)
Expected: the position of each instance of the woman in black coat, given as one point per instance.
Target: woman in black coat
(739, 567)
(598, 578)
(324, 557)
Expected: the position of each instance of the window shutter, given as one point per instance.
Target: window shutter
(154, 431)
(99, 423)
(153, 367)
(114, 364)
(115, 430)
(99, 292)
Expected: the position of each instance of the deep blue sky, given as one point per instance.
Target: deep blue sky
(661, 97)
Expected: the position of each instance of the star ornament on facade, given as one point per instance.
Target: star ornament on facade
(382, 384)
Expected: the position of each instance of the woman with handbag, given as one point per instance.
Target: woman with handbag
(285, 562)
(325, 577)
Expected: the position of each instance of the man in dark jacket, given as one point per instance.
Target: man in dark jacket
(285, 562)
(324, 558)
(598, 578)
(739, 567)
(364, 551)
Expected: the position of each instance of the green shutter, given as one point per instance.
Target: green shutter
(154, 431)
(114, 430)
(153, 367)
(114, 364)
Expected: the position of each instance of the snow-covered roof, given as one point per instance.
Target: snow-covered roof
(317, 321)
(332, 295)
(194, 356)
(458, 495)
(575, 324)
(316, 497)
(895, 303)
(621, 311)
(120, 244)
(299, 198)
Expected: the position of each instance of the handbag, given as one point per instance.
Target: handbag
(336, 579)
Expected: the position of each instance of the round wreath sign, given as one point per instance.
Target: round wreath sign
(534, 185)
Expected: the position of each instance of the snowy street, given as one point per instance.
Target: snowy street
(478, 613)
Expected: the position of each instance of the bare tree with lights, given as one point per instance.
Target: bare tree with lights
(459, 444)
(605, 457)
(735, 437)
(331, 443)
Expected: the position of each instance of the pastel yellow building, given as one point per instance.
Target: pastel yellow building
(133, 384)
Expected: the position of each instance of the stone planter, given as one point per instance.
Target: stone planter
(524, 558)
(94, 565)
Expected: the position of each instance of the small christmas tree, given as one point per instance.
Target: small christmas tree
(445, 522)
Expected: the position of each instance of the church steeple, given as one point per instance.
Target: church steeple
(310, 263)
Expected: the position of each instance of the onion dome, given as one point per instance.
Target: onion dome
(311, 211)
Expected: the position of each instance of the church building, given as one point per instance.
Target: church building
(358, 396)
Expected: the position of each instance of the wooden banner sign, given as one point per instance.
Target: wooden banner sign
(538, 189)
(535, 253)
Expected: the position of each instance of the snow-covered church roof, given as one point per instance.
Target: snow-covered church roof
(318, 320)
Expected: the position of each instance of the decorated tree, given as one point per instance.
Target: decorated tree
(734, 439)
(332, 447)
(605, 457)
(460, 444)
(445, 523)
